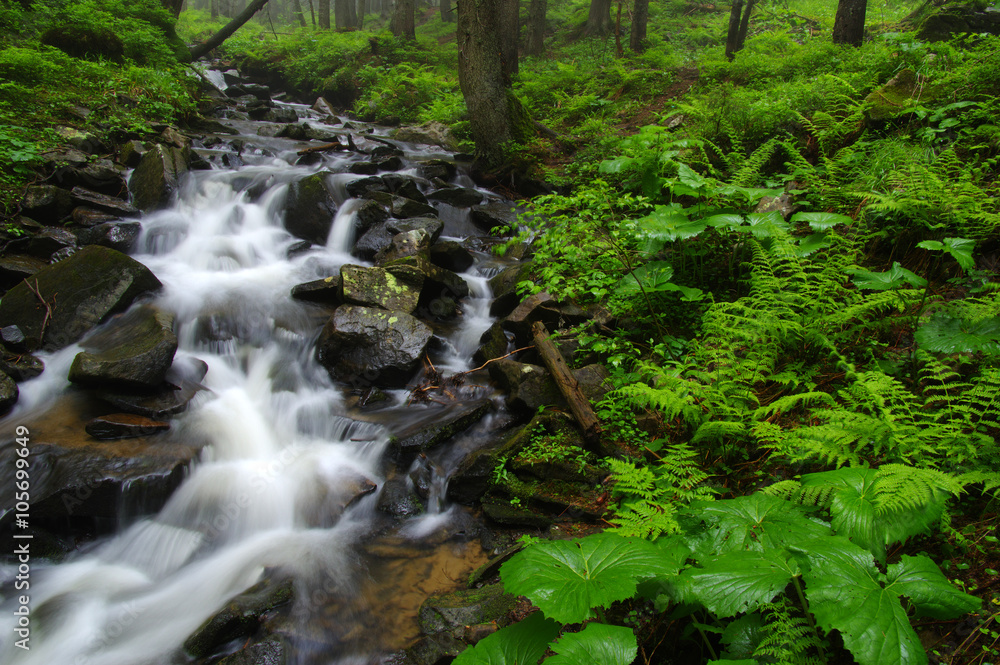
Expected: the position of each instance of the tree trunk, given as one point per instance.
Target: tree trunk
(201, 50)
(173, 6)
(297, 12)
(493, 111)
(509, 33)
(312, 13)
(447, 15)
(361, 9)
(536, 27)
(849, 26)
(745, 23)
(739, 23)
(215, 8)
(342, 14)
(402, 24)
(324, 14)
(637, 34)
(599, 19)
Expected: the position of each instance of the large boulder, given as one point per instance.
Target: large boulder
(377, 287)
(170, 398)
(405, 244)
(431, 133)
(451, 255)
(459, 197)
(157, 176)
(78, 293)
(47, 203)
(134, 351)
(119, 235)
(438, 425)
(494, 217)
(456, 610)
(367, 346)
(240, 617)
(310, 209)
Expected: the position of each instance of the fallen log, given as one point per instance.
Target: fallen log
(335, 146)
(567, 384)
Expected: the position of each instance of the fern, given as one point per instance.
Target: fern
(787, 639)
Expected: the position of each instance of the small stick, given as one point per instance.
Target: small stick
(48, 307)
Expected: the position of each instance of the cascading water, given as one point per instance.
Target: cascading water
(276, 489)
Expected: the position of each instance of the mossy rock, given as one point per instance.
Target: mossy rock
(86, 42)
(377, 287)
(451, 612)
(310, 209)
(157, 176)
(8, 393)
(240, 617)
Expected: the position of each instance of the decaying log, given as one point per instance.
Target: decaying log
(567, 384)
(335, 146)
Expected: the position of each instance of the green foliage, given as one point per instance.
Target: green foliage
(596, 643)
(524, 642)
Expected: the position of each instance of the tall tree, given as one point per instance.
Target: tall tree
(297, 12)
(637, 33)
(324, 14)
(496, 117)
(509, 35)
(598, 18)
(173, 6)
(403, 23)
(849, 26)
(536, 27)
(201, 50)
(361, 9)
(447, 15)
(739, 23)
(342, 14)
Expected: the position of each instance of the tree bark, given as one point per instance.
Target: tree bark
(447, 15)
(361, 9)
(496, 117)
(342, 14)
(637, 33)
(536, 27)
(403, 24)
(509, 33)
(297, 12)
(745, 23)
(849, 26)
(739, 23)
(598, 19)
(200, 50)
(324, 14)
(173, 6)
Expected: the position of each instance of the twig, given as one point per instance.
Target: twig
(470, 371)
(48, 307)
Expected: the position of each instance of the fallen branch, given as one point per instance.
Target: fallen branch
(566, 383)
(48, 308)
(335, 146)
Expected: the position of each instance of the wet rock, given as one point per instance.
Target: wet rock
(297, 248)
(101, 176)
(366, 346)
(781, 204)
(405, 244)
(537, 307)
(474, 474)
(310, 208)
(130, 153)
(102, 202)
(270, 651)
(47, 203)
(172, 397)
(8, 393)
(437, 426)
(134, 351)
(432, 650)
(393, 163)
(323, 291)
(451, 255)
(438, 282)
(239, 618)
(12, 336)
(403, 186)
(329, 498)
(282, 115)
(88, 217)
(15, 267)
(459, 197)
(363, 188)
(363, 168)
(323, 107)
(501, 511)
(437, 168)
(43, 243)
(452, 612)
(401, 208)
(377, 287)
(495, 217)
(530, 387)
(430, 225)
(261, 92)
(492, 344)
(124, 426)
(90, 285)
(430, 133)
(373, 240)
(504, 289)
(118, 235)
(157, 176)
(85, 141)
(398, 499)
(492, 567)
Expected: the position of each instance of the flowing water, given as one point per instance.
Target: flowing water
(274, 490)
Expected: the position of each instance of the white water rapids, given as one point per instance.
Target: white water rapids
(270, 490)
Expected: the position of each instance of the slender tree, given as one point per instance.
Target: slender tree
(637, 33)
(297, 12)
(403, 23)
(739, 23)
(598, 18)
(447, 15)
(201, 50)
(324, 14)
(536, 27)
(361, 9)
(849, 26)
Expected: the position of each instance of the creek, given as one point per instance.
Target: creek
(282, 485)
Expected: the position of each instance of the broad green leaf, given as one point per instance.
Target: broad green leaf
(690, 177)
(944, 333)
(522, 643)
(567, 578)
(725, 220)
(738, 582)
(654, 277)
(852, 505)
(754, 522)
(743, 635)
(822, 221)
(750, 194)
(959, 248)
(616, 165)
(813, 243)
(745, 661)
(883, 281)
(596, 643)
(845, 593)
(767, 224)
(919, 579)
(667, 224)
